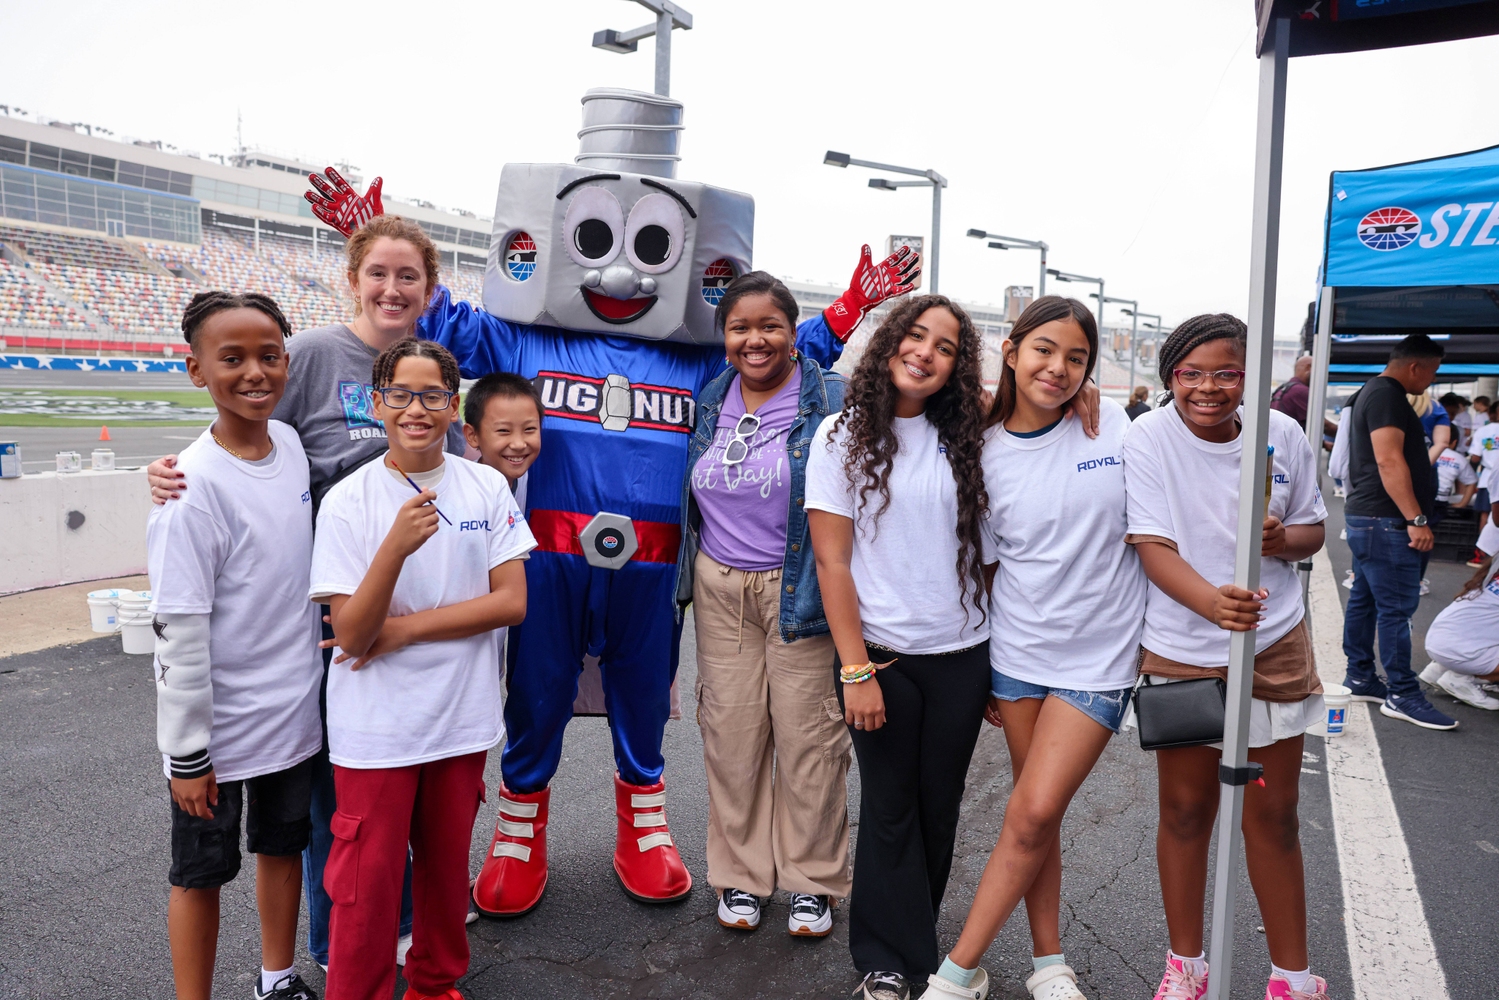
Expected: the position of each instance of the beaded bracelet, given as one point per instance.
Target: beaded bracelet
(858, 673)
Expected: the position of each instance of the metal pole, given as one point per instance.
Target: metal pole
(1265, 243)
(1316, 409)
(936, 231)
(1041, 289)
(1134, 328)
(257, 237)
(1098, 362)
(663, 54)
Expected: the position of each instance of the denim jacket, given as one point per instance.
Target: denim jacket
(801, 600)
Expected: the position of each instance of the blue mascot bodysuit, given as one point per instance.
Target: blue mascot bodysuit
(602, 282)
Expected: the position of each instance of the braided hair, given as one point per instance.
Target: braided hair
(410, 347)
(1195, 332)
(957, 410)
(205, 304)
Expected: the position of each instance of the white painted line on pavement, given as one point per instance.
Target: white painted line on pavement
(1390, 949)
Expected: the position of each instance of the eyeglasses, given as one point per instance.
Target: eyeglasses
(1191, 378)
(432, 399)
(737, 450)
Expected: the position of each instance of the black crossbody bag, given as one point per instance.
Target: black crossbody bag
(1180, 714)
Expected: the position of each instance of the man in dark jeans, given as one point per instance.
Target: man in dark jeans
(1391, 494)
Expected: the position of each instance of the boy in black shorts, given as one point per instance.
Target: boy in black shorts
(237, 662)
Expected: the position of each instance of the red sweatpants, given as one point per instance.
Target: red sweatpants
(432, 807)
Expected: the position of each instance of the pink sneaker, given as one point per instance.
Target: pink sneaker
(1180, 983)
(1279, 989)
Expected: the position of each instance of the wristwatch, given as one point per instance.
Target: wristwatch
(1419, 521)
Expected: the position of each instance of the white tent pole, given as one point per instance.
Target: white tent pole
(1316, 410)
(1265, 245)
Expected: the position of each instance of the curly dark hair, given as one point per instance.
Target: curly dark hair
(957, 410)
(411, 347)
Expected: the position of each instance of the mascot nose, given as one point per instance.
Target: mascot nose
(619, 281)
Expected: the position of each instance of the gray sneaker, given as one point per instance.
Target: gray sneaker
(883, 986)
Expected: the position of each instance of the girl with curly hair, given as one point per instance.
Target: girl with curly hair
(896, 503)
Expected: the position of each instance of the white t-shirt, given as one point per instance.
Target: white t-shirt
(904, 563)
(1452, 470)
(1187, 489)
(1464, 636)
(1069, 594)
(429, 700)
(237, 547)
(1485, 444)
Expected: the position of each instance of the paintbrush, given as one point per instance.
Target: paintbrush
(418, 489)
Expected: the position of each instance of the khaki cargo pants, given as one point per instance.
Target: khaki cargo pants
(774, 742)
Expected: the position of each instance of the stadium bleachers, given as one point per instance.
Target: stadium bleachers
(24, 303)
(140, 289)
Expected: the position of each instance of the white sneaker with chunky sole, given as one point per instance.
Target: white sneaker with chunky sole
(738, 910)
(811, 916)
(1433, 672)
(1466, 690)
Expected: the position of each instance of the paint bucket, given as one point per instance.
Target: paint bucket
(69, 461)
(136, 635)
(103, 609)
(102, 460)
(1336, 698)
(10, 460)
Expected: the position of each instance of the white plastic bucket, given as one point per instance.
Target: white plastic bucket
(1337, 698)
(69, 461)
(102, 460)
(102, 609)
(136, 635)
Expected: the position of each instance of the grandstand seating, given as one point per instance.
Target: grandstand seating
(140, 289)
(24, 303)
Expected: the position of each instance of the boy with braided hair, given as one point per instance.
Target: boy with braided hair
(237, 664)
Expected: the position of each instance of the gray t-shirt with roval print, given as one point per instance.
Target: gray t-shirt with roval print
(327, 401)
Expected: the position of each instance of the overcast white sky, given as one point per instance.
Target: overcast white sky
(1120, 133)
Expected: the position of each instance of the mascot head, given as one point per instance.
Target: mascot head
(614, 243)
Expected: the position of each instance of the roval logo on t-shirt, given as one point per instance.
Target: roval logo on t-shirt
(1098, 463)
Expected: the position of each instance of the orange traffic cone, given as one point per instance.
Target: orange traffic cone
(104, 433)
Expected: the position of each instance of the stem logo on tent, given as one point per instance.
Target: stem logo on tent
(1387, 229)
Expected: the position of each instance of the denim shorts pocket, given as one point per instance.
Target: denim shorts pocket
(341, 873)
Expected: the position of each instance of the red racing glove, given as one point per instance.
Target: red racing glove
(339, 205)
(872, 284)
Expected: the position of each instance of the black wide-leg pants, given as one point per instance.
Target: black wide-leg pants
(911, 774)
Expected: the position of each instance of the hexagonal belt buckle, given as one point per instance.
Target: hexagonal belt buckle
(608, 540)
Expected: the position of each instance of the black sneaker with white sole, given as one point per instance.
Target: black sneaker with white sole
(738, 909)
(290, 988)
(883, 986)
(811, 916)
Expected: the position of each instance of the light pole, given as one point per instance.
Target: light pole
(1065, 276)
(668, 16)
(1156, 326)
(997, 242)
(1134, 328)
(932, 178)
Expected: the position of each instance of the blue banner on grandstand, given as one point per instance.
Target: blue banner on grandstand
(1433, 222)
(60, 363)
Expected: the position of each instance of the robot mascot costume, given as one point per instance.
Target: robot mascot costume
(602, 281)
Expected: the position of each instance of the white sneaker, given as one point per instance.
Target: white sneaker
(1055, 982)
(1425, 587)
(936, 986)
(1348, 580)
(738, 909)
(811, 916)
(1466, 690)
(1433, 672)
(403, 945)
(1340, 491)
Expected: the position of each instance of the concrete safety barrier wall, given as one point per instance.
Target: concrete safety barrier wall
(58, 528)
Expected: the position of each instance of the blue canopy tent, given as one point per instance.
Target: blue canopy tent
(1287, 29)
(1410, 248)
